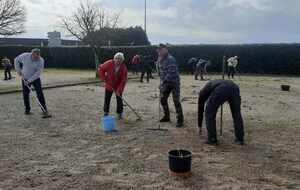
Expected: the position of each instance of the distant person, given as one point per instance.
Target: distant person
(192, 65)
(135, 63)
(146, 68)
(30, 72)
(232, 64)
(201, 68)
(7, 68)
(214, 94)
(170, 83)
(114, 73)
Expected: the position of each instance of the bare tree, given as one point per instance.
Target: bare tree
(12, 17)
(87, 19)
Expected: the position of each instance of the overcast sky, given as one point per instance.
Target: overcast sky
(185, 21)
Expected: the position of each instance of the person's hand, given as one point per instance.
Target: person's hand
(26, 82)
(19, 74)
(161, 87)
(118, 93)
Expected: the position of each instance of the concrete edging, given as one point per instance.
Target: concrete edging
(57, 86)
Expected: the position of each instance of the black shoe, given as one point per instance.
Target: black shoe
(239, 142)
(179, 124)
(165, 119)
(212, 142)
(27, 112)
(120, 116)
(46, 115)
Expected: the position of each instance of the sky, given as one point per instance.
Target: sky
(184, 21)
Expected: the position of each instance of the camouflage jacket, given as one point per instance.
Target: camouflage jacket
(168, 71)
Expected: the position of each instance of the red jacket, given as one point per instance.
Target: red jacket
(113, 81)
(136, 60)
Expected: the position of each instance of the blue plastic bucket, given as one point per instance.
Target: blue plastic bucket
(108, 123)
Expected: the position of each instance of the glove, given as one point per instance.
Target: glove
(161, 87)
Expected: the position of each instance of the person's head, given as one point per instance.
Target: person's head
(236, 57)
(162, 50)
(35, 54)
(119, 58)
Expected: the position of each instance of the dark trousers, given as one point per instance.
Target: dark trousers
(231, 72)
(108, 95)
(7, 73)
(148, 72)
(135, 69)
(165, 93)
(199, 71)
(39, 92)
(220, 95)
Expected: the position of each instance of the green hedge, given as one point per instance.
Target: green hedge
(57, 57)
(264, 59)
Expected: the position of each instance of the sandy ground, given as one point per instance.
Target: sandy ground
(70, 151)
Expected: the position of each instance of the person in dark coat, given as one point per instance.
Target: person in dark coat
(192, 65)
(146, 68)
(214, 94)
(201, 68)
(7, 68)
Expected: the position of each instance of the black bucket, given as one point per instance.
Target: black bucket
(285, 87)
(180, 162)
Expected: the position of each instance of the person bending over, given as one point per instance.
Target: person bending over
(29, 66)
(214, 94)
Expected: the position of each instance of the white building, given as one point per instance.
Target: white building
(54, 39)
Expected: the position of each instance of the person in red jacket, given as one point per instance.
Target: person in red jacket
(136, 60)
(114, 73)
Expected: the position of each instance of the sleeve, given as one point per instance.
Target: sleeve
(203, 96)
(102, 69)
(122, 85)
(38, 72)
(18, 60)
(171, 71)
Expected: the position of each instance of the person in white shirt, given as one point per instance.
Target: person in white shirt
(232, 64)
(29, 66)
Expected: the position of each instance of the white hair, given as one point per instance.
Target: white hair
(120, 56)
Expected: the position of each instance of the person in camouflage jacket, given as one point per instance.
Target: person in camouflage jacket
(170, 83)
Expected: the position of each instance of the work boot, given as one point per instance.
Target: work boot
(165, 119)
(212, 141)
(46, 115)
(179, 124)
(120, 116)
(27, 112)
(239, 142)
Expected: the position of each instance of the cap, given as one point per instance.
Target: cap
(161, 46)
(36, 50)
